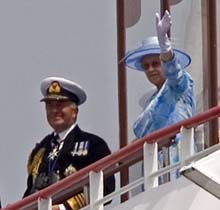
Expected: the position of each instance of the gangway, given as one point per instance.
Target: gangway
(205, 173)
(187, 192)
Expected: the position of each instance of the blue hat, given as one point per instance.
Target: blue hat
(57, 88)
(150, 46)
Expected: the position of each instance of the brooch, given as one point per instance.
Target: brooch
(69, 170)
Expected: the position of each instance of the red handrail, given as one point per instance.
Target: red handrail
(109, 164)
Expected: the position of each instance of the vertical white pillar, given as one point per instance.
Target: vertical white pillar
(86, 193)
(187, 143)
(200, 138)
(150, 165)
(96, 189)
(44, 204)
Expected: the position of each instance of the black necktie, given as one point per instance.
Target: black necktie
(55, 140)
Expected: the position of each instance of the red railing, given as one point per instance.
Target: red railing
(110, 164)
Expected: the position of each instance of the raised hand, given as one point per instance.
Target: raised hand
(162, 27)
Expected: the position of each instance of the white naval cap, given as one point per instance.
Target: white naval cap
(58, 88)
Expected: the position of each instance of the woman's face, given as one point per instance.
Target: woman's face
(153, 69)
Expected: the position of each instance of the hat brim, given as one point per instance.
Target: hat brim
(133, 58)
(54, 97)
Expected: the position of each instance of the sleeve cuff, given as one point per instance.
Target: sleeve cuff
(62, 207)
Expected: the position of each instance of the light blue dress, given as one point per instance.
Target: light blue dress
(172, 103)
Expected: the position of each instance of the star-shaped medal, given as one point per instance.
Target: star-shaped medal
(53, 154)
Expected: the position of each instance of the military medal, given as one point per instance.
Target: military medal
(75, 148)
(53, 154)
(80, 149)
(84, 152)
(85, 149)
(55, 151)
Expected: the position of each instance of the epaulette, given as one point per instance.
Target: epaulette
(35, 158)
(34, 162)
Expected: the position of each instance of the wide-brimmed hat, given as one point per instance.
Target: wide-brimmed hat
(150, 46)
(57, 88)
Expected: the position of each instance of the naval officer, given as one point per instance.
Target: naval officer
(67, 148)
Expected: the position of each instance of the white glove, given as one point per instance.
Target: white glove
(163, 26)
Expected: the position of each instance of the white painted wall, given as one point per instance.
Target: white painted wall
(69, 38)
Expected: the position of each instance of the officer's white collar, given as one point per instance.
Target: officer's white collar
(63, 134)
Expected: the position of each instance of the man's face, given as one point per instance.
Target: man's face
(61, 114)
(153, 69)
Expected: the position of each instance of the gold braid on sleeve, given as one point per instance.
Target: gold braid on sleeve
(76, 202)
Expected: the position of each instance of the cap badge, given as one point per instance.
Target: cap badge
(54, 88)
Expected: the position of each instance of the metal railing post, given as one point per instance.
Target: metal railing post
(45, 204)
(187, 145)
(150, 165)
(95, 189)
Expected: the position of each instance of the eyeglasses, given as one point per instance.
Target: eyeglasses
(154, 64)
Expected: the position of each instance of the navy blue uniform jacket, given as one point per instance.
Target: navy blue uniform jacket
(79, 150)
